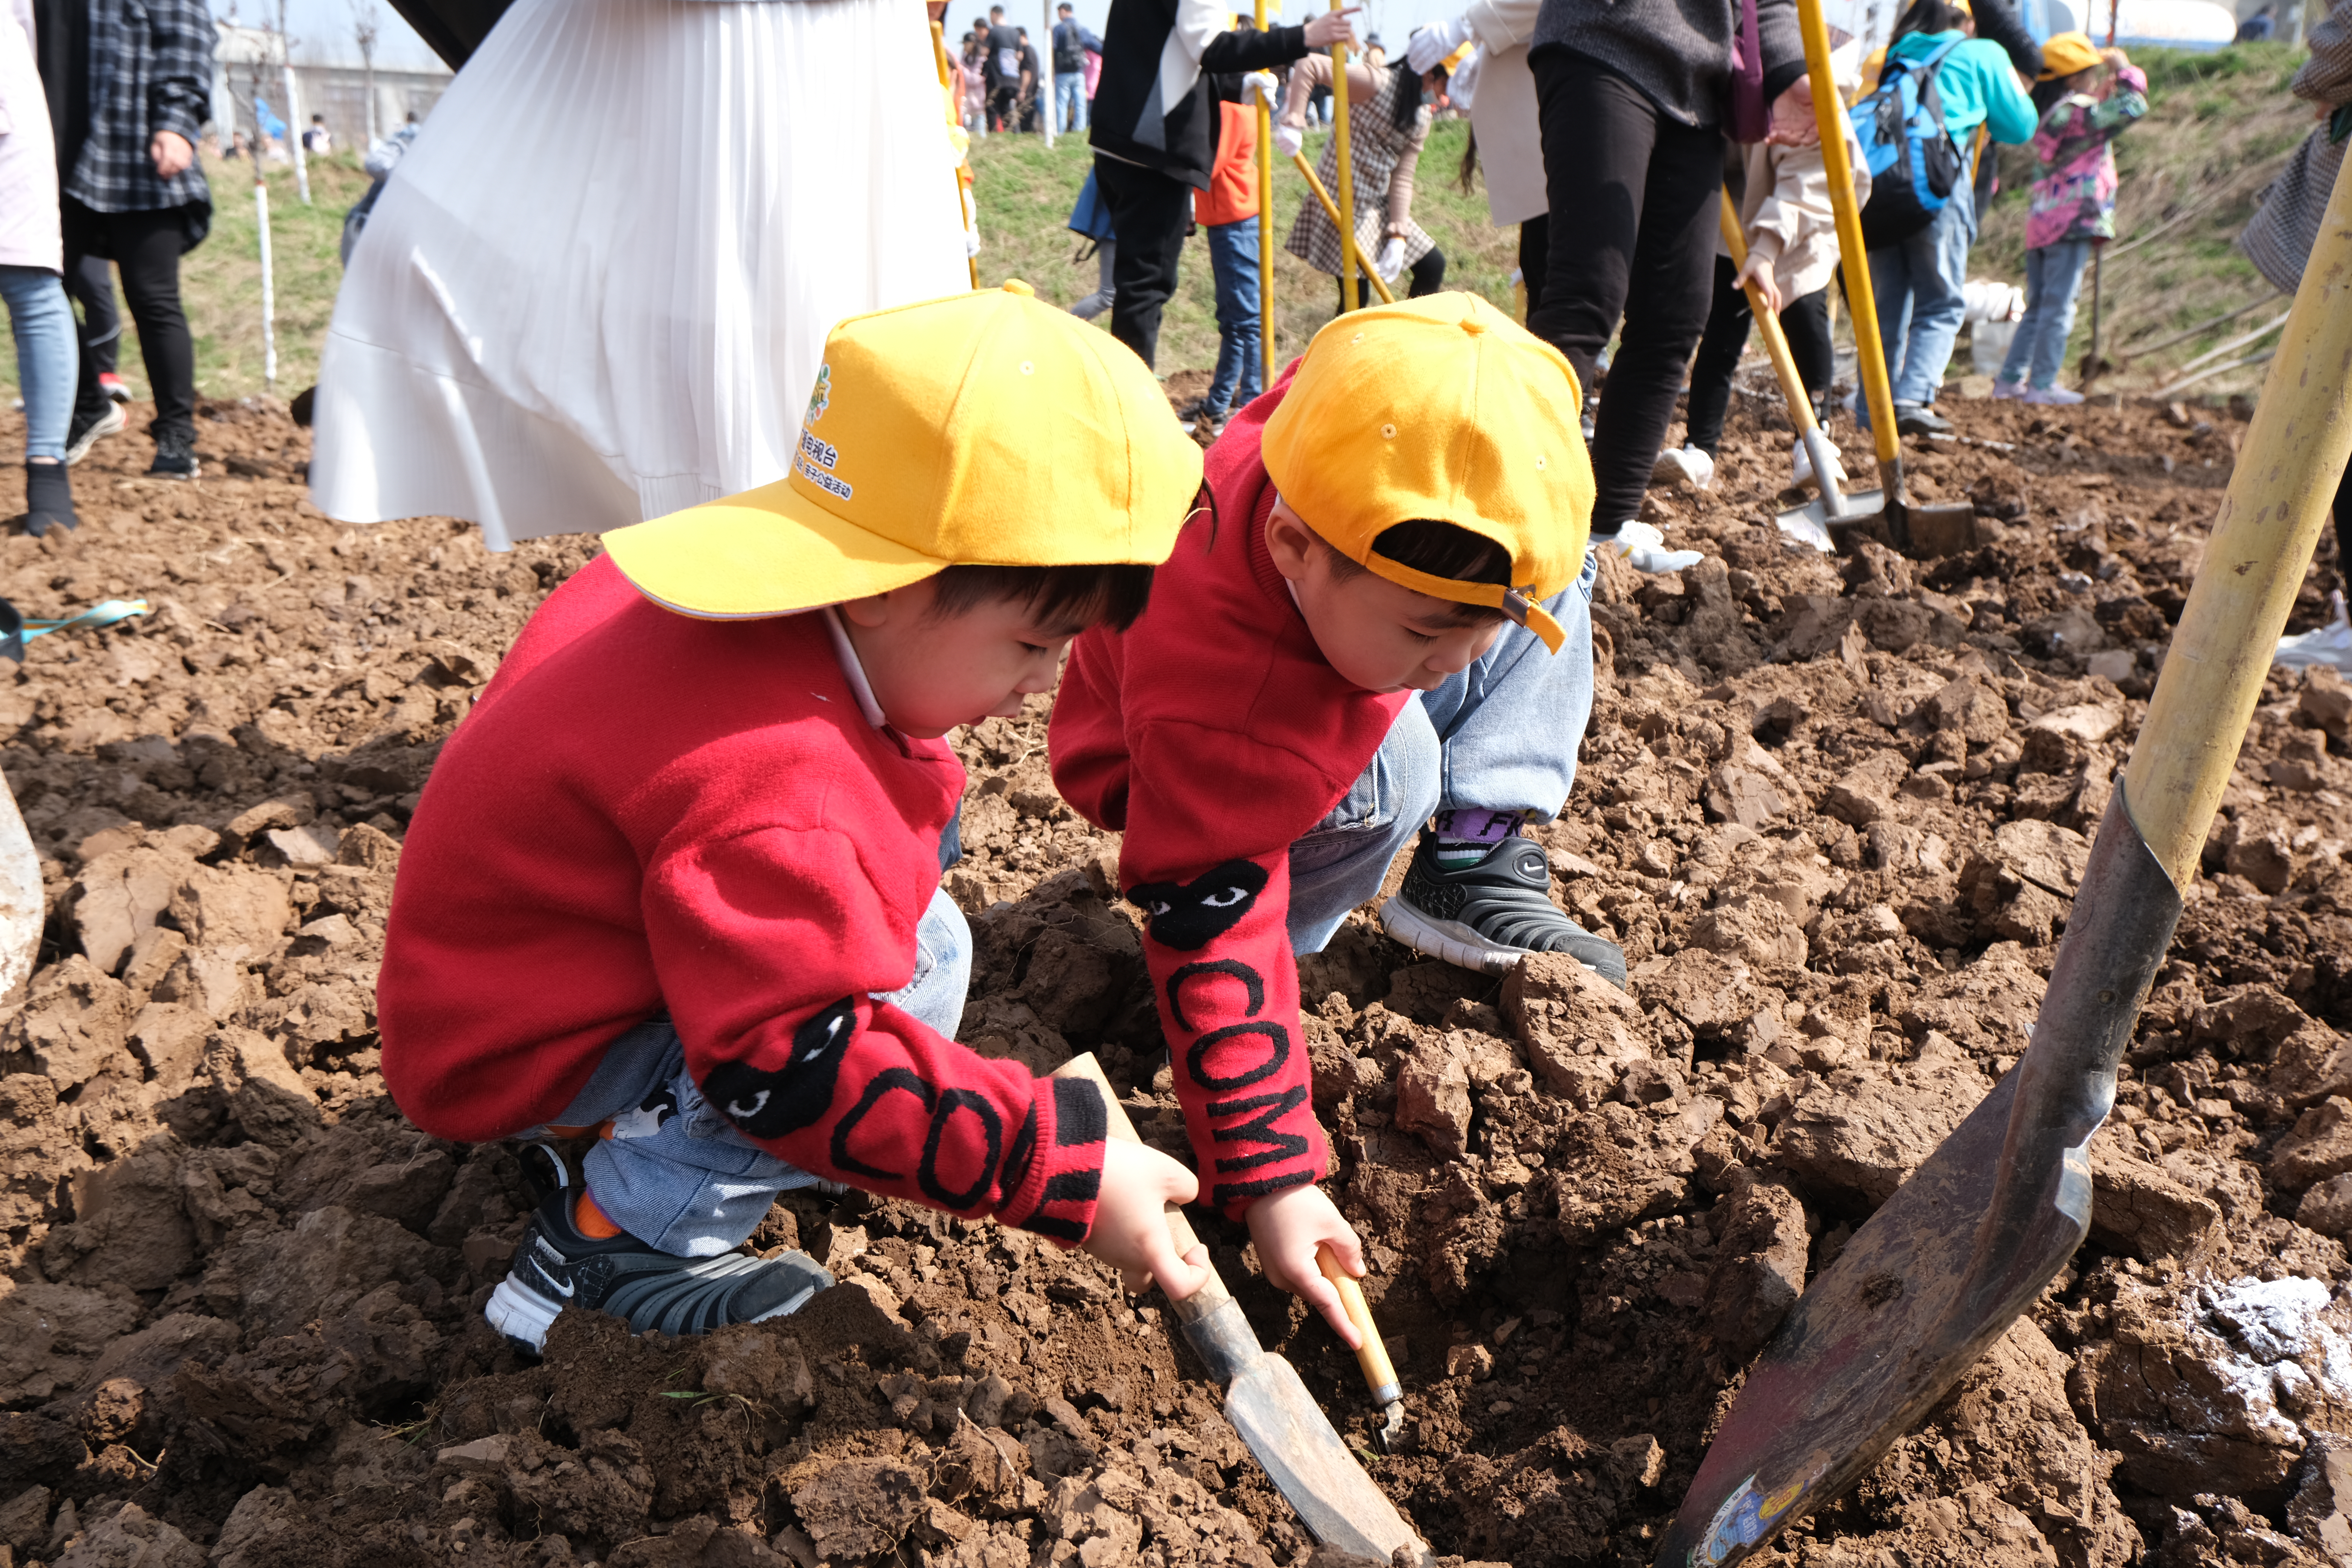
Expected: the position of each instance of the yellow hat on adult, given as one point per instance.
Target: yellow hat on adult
(1440, 409)
(2063, 53)
(986, 429)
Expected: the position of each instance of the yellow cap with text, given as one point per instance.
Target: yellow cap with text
(986, 429)
(1440, 409)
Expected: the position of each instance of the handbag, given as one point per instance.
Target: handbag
(1751, 117)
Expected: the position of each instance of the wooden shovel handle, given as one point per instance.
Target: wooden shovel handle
(1179, 1230)
(1379, 1373)
(1792, 385)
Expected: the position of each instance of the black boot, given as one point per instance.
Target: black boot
(48, 498)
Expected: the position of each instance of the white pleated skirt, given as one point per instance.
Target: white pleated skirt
(598, 287)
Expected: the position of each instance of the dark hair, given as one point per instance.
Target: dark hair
(1929, 16)
(1442, 550)
(1408, 92)
(1058, 595)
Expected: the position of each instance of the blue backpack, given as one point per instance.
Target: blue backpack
(1914, 164)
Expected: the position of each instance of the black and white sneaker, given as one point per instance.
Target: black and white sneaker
(84, 431)
(1489, 914)
(557, 1267)
(176, 459)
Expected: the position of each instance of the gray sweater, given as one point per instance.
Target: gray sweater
(1678, 52)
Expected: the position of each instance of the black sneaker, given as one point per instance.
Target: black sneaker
(48, 499)
(175, 457)
(84, 432)
(1486, 914)
(1918, 420)
(556, 1266)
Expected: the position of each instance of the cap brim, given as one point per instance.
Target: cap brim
(769, 552)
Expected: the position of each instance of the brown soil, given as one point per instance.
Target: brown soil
(1834, 810)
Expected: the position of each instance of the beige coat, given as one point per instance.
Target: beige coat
(28, 159)
(1503, 111)
(1785, 211)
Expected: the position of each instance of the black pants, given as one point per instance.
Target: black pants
(1535, 255)
(1633, 194)
(1002, 103)
(91, 286)
(1149, 213)
(1805, 322)
(1427, 276)
(146, 246)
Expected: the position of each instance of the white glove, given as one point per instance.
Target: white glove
(1390, 260)
(1262, 83)
(1427, 49)
(971, 242)
(1645, 549)
(1287, 141)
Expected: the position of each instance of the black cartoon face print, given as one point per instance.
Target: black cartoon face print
(1189, 916)
(770, 1104)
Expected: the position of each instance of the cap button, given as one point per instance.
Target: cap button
(1473, 325)
(1014, 286)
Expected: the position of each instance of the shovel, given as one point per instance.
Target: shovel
(1310, 1466)
(1942, 1269)
(1811, 521)
(1921, 529)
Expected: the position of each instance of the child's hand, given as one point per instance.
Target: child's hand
(1757, 273)
(1131, 1231)
(1287, 1228)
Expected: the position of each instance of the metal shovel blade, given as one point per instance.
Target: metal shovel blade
(1311, 1467)
(1943, 1268)
(1921, 529)
(1824, 530)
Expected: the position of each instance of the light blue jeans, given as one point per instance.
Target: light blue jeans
(1918, 285)
(1502, 734)
(1070, 101)
(1241, 357)
(2054, 275)
(48, 356)
(675, 1172)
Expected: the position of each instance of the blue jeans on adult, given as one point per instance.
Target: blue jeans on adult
(1918, 285)
(1502, 734)
(1241, 358)
(2053, 274)
(1070, 101)
(48, 355)
(676, 1174)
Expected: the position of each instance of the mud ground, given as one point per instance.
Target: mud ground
(1834, 810)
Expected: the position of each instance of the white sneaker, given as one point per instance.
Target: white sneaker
(1645, 549)
(1688, 466)
(2052, 397)
(1802, 466)
(2330, 644)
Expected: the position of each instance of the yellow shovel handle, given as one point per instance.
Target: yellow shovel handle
(1829, 112)
(1347, 235)
(2279, 497)
(1265, 224)
(1776, 344)
(1345, 216)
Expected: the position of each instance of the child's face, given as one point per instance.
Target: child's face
(931, 673)
(1378, 634)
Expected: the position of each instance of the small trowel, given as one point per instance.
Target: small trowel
(1372, 1355)
(1270, 1408)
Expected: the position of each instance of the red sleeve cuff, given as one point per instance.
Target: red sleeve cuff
(1052, 1173)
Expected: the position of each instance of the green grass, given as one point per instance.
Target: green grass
(2218, 129)
(220, 281)
(1026, 193)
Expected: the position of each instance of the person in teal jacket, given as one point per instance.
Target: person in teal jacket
(1917, 282)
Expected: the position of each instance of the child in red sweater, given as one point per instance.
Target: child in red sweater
(677, 875)
(1390, 616)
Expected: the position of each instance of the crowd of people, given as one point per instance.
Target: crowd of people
(676, 879)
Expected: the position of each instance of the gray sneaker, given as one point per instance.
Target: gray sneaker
(557, 1267)
(1489, 914)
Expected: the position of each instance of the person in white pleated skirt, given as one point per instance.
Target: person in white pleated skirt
(599, 285)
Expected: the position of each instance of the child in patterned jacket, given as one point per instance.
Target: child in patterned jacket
(2073, 205)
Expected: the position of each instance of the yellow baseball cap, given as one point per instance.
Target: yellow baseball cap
(2063, 53)
(986, 429)
(1440, 409)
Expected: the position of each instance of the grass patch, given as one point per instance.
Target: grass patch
(220, 281)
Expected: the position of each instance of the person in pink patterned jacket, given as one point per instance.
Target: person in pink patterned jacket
(2072, 204)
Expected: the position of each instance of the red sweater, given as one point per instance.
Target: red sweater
(645, 812)
(1215, 734)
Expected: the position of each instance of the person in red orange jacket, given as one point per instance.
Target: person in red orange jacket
(676, 875)
(1227, 213)
(1385, 618)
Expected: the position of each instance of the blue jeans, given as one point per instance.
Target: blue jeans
(2053, 274)
(1917, 285)
(1070, 101)
(675, 1172)
(1241, 358)
(1503, 733)
(48, 355)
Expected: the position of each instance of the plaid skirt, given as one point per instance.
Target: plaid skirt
(1374, 147)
